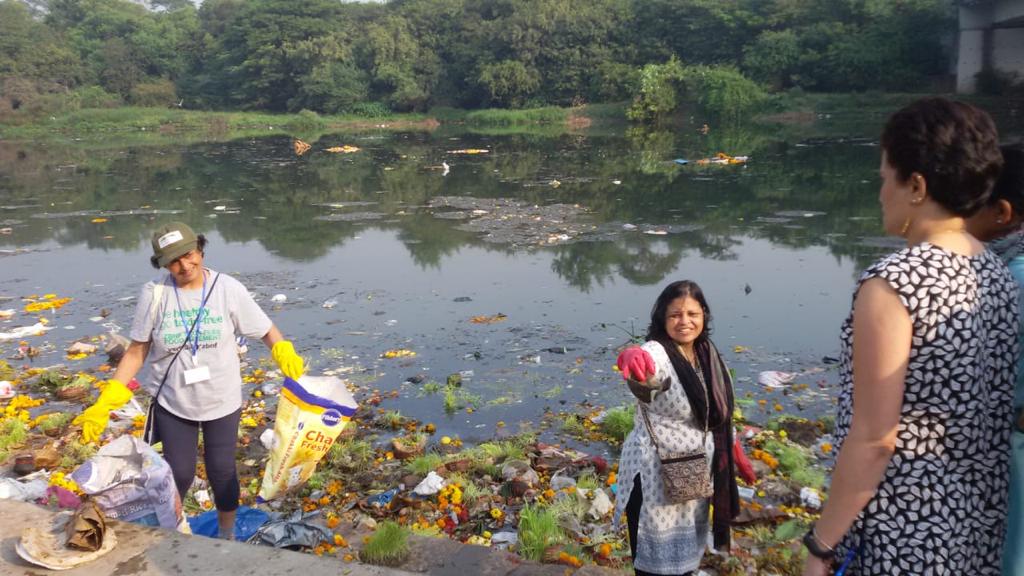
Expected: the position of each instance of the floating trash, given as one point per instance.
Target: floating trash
(20, 332)
(488, 319)
(346, 149)
(776, 379)
(722, 159)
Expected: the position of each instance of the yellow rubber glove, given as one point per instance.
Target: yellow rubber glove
(290, 363)
(94, 419)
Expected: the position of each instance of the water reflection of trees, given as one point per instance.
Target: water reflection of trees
(621, 180)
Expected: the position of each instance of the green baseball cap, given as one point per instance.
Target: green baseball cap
(172, 241)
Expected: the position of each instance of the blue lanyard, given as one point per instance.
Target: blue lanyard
(847, 561)
(199, 315)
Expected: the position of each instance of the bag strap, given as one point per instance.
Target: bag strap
(158, 296)
(650, 430)
(187, 336)
(707, 414)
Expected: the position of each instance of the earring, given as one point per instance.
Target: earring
(999, 221)
(905, 227)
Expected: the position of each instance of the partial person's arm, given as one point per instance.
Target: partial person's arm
(272, 337)
(283, 352)
(131, 361)
(882, 332)
(113, 393)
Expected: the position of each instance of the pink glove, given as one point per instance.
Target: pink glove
(636, 364)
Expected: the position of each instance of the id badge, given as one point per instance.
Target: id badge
(196, 375)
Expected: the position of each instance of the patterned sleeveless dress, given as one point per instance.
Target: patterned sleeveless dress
(941, 506)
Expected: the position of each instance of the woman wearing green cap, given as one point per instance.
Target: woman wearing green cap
(186, 324)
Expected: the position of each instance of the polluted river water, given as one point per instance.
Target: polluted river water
(382, 250)
(469, 287)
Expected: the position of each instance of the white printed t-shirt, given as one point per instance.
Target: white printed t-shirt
(229, 311)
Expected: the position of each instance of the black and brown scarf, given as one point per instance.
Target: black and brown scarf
(726, 499)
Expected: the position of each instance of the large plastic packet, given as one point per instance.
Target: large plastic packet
(311, 413)
(130, 481)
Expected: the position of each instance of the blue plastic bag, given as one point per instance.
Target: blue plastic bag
(247, 522)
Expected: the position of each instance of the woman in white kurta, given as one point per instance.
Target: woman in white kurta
(682, 371)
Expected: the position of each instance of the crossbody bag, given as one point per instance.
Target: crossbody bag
(684, 475)
(149, 433)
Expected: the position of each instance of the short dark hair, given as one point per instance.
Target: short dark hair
(678, 289)
(954, 145)
(200, 245)
(1010, 185)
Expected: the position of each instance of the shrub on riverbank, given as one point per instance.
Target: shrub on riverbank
(502, 116)
(721, 92)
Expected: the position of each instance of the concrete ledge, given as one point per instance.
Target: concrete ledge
(150, 551)
(145, 551)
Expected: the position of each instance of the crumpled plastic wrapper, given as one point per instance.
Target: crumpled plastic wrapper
(292, 531)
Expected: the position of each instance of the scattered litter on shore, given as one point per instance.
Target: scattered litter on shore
(542, 489)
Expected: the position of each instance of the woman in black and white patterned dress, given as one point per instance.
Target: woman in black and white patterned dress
(928, 367)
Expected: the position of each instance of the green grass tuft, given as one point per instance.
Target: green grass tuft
(618, 422)
(588, 481)
(569, 506)
(350, 454)
(796, 462)
(538, 530)
(573, 425)
(451, 399)
(388, 546)
(422, 465)
(430, 387)
(13, 433)
(56, 421)
(471, 491)
(75, 453)
(501, 450)
(392, 419)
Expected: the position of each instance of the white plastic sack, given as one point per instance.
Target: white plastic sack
(131, 482)
(311, 413)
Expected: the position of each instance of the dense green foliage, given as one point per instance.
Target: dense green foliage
(411, 55)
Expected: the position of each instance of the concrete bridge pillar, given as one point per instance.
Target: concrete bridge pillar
(991, 39)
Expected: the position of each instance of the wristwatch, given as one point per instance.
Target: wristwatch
(816, 547)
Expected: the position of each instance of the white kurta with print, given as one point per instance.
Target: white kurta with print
(671, 537)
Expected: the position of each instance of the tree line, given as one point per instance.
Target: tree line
(332, 57)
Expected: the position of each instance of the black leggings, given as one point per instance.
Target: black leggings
(181, 445)
(636, 501)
